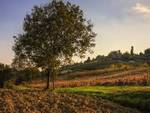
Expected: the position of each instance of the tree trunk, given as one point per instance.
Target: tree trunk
(48, 79)
(53, 80)
(1, 84)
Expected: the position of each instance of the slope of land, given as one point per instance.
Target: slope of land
(129, 96)
(46, 102)
(139, 76)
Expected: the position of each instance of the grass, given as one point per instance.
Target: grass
(20, 87)
(130, 96)
(9, 85)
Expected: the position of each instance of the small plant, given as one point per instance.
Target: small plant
(8, 85)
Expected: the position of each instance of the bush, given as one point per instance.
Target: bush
(5, 75)
(26, 75)
(8, 85)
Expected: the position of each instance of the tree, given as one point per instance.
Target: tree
(5, 74)
(141, 54)
(132, 51)
(53, 34)
(115, 55)
(88, 60)
(126, 56)
(147, 52)
(147, 55)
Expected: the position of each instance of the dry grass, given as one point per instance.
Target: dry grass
(132, 77)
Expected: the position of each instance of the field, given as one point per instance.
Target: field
(100, 91)
(134, 77)
(128, 88)
(130, 96)
(85, 99)
(34, 101)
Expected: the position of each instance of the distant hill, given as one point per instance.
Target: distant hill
(114, 57)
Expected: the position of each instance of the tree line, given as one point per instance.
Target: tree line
(126, 56)
(114, 57)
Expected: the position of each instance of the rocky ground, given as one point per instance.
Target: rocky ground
(46, 102)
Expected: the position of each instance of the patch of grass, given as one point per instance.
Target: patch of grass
(15, 87)
(130, 96)
(20, 87)
(104, 89)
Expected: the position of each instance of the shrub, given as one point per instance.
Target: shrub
(5, 75)
(26, 75)
(8, 85)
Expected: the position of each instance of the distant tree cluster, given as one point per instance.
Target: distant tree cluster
(114, 57)
(126, 56)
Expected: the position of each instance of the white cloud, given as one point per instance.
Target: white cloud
(140, 8)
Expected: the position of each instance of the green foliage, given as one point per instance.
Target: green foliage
(27, 75)
(113, 58)
(53, 34)
(147, 51)
(115, 55)
(5, 74)
(8, 85)
(126, 56)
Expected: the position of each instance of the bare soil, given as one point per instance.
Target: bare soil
(45, 102)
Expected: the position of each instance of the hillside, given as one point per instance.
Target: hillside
(138, 76)
(46, 102)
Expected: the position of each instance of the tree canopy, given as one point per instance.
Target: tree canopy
(147, 52)
(52, 35)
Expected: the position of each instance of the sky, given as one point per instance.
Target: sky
(119, 24)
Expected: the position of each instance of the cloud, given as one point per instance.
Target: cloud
(140, 8)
